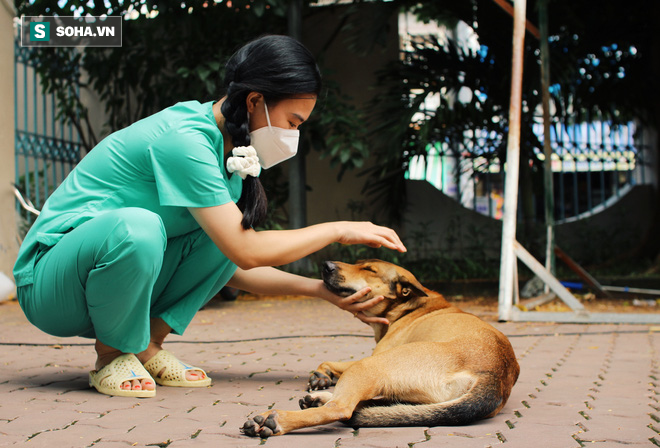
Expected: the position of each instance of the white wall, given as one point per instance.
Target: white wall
(8, 233)
(328, 198)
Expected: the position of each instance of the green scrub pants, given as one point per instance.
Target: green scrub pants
(109, 276)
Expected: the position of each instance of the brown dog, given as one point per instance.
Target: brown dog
(434, 365)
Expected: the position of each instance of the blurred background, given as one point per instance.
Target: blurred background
(410, 132)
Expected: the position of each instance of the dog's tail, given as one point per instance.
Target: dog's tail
(482, 400)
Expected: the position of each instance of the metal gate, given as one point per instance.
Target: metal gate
(46, 149)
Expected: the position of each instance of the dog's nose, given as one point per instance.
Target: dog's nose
(329, 268)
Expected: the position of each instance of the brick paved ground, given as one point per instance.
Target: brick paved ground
(580, 385)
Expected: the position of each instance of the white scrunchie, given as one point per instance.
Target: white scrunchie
(244, 161)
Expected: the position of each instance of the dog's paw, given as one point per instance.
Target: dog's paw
(319, 380)
(261, 426)
(310, 401)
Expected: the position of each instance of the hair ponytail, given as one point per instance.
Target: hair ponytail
(277, 67)
(253, 202)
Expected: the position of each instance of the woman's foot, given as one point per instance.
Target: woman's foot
(153, 349)
(107, 354)
(159, 331)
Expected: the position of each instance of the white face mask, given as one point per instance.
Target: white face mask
(274, 145)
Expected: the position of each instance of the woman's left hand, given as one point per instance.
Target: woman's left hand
(267, 280)
(354, 304)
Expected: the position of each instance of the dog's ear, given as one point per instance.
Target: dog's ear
(409, 288)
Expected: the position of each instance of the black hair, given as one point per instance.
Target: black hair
(277, 67)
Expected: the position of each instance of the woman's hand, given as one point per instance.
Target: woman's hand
(369, 234)
(267, 280)
(354, 304)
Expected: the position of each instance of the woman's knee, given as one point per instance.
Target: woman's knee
(138, 233)
(58, 318)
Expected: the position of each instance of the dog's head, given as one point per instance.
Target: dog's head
(397, 285)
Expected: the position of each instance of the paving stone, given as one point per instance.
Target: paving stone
(39, 423)
(204, 439)
(617, 429)
(548, 435)
(483, 430)
(322, 436)
(74, 435)
(589, 384)
(458, 436)
(384, 437)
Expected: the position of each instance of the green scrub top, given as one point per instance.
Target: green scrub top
(164, 163)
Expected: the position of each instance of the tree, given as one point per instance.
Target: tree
(175, 52)
(597, 54)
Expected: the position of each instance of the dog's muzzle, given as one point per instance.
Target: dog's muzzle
(332, 279)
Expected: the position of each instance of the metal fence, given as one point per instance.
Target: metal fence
(467, 169)
(46, 149)
(593, 163)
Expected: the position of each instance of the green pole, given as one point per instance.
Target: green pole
(297, 165)
(547, 150)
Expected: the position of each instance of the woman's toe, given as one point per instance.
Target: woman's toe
(137, 385)
(148, 385)
(194, 375)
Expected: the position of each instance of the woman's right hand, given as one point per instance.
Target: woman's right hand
(367, 233)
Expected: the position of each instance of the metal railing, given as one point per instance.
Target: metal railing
(593, 163)
(46, 149)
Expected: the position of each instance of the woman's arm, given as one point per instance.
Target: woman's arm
(267, 280)
(249, 248)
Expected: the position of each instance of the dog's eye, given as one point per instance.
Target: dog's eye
(369, 269)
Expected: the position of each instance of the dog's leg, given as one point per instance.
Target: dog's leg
(327, 374)
(314, 400)
(359, 383)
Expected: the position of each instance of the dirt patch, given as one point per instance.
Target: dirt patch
(486, 306)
